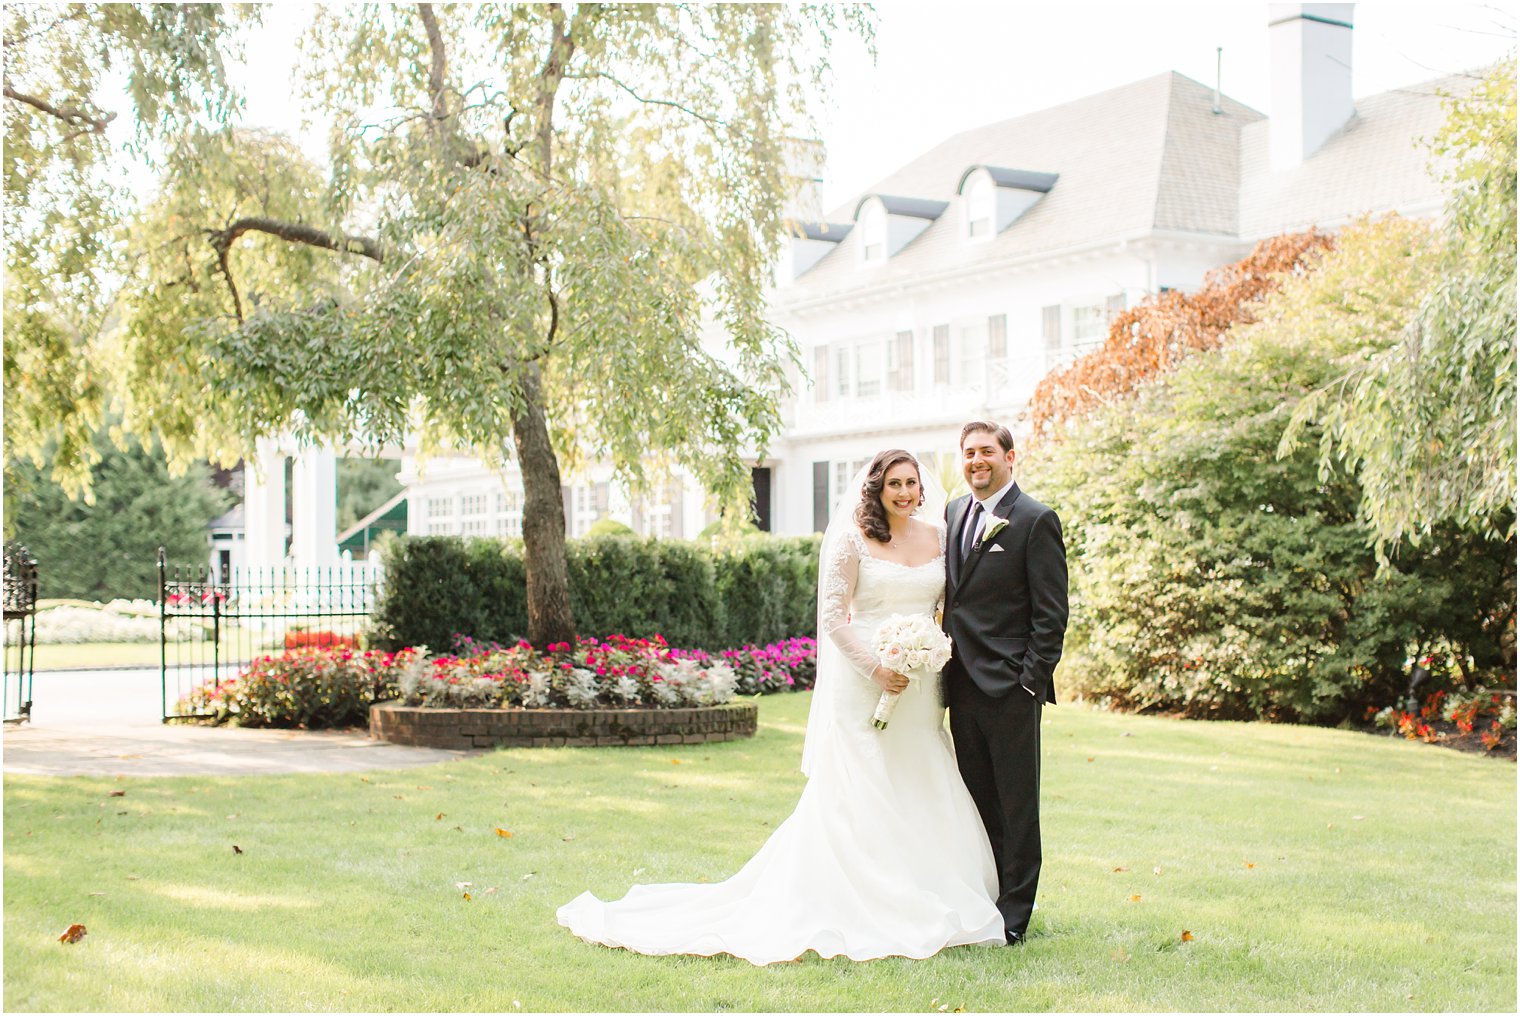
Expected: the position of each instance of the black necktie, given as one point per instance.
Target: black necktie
(968, 540)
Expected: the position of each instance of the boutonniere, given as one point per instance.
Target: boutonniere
(993, 528)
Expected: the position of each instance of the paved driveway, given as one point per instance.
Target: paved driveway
(106, 723)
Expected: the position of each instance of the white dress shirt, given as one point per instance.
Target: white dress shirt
(988, 503)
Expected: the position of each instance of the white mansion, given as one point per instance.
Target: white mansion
(953, 285)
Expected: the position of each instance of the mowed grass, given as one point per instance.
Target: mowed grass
(1315, 869)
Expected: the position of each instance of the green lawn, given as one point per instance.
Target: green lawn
(134, 654)
(1316, 870)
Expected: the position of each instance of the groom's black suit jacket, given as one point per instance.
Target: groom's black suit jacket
(1006, 608)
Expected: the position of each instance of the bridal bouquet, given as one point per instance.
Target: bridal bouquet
(911, 645)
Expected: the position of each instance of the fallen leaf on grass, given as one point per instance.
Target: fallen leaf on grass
(505, 834)
(467, 896)
(364, 779)
(438, 817)
(1329, 825)
(1121, 868)
(97, 894)
(568, 837)
(236, 849)
(133, 878)
(117, 793)
(527, 876)
(1356, 818)
(461, 886)
(1091, 757)
(675, 761)
(1119, 956)
(1135, 898)
(1250, 865)
(1187, 936)
(73, 933)
(423, 786)
(1156, 870)
(490, 890)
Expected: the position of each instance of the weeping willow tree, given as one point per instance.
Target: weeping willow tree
(531, 216)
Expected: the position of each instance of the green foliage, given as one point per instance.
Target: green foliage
(109, 549)
(1212, 576)
(757, 591)
(64, 197)
(571, 226)
(363, 486)
(1424, 411)
(609, 527)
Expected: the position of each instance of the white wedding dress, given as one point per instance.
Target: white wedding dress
(885, 854)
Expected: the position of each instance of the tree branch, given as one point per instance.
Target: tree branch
(561, 48)
(296, 232)
(438, 67)
(711, 121)
(293, 232)
(68, 114)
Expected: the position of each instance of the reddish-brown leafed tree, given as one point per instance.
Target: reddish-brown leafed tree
(1151, 338)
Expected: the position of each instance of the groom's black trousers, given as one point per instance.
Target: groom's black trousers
(997, 746)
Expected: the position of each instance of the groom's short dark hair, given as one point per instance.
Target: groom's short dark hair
(997, 430)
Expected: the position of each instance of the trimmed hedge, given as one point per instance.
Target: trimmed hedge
(753, 590)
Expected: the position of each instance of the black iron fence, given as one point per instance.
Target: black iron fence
(213, 625)
(20, 651)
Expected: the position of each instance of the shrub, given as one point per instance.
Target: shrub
(1212, 577)
(307, 688)
(753, 590)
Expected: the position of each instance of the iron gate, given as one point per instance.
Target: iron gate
(20, 651)
(213, 625)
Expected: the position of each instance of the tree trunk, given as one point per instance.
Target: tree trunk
(549, 616)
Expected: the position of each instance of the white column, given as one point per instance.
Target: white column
(264, 506)
(314, 514)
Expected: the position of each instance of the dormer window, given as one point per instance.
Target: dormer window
(888, 224)
(994, 197)
(980, 207)
(873, 233)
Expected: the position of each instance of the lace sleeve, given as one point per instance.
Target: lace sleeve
(840, 575)
(939, 604)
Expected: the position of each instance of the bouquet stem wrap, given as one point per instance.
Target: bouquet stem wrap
(912, 645)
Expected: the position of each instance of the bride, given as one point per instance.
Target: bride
(885, 854)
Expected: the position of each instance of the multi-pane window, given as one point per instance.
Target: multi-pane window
(979, 207)
(997, 337)
(472, 515)
(973, 353)
(820, 373)
(440, 515)
(509, 512)
(869, 369)
(873, 234)
(842, 372)
(941, 354)
(1050, 329)
(1089, 324)
(900, 362)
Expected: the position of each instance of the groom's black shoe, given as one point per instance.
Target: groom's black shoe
(1015, 938)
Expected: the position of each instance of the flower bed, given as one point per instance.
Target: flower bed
(324, 687)
(1480, 719)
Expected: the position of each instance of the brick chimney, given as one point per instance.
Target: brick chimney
(1311, 77)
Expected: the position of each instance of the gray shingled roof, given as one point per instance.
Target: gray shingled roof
(1149, 156)
(1376, 163)
(1109, 150)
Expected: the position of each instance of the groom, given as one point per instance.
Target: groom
(1005, 612)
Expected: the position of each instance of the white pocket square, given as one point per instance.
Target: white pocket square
(996, 548)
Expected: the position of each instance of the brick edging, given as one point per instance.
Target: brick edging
(555, 728)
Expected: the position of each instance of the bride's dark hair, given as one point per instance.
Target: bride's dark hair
(869, 514)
